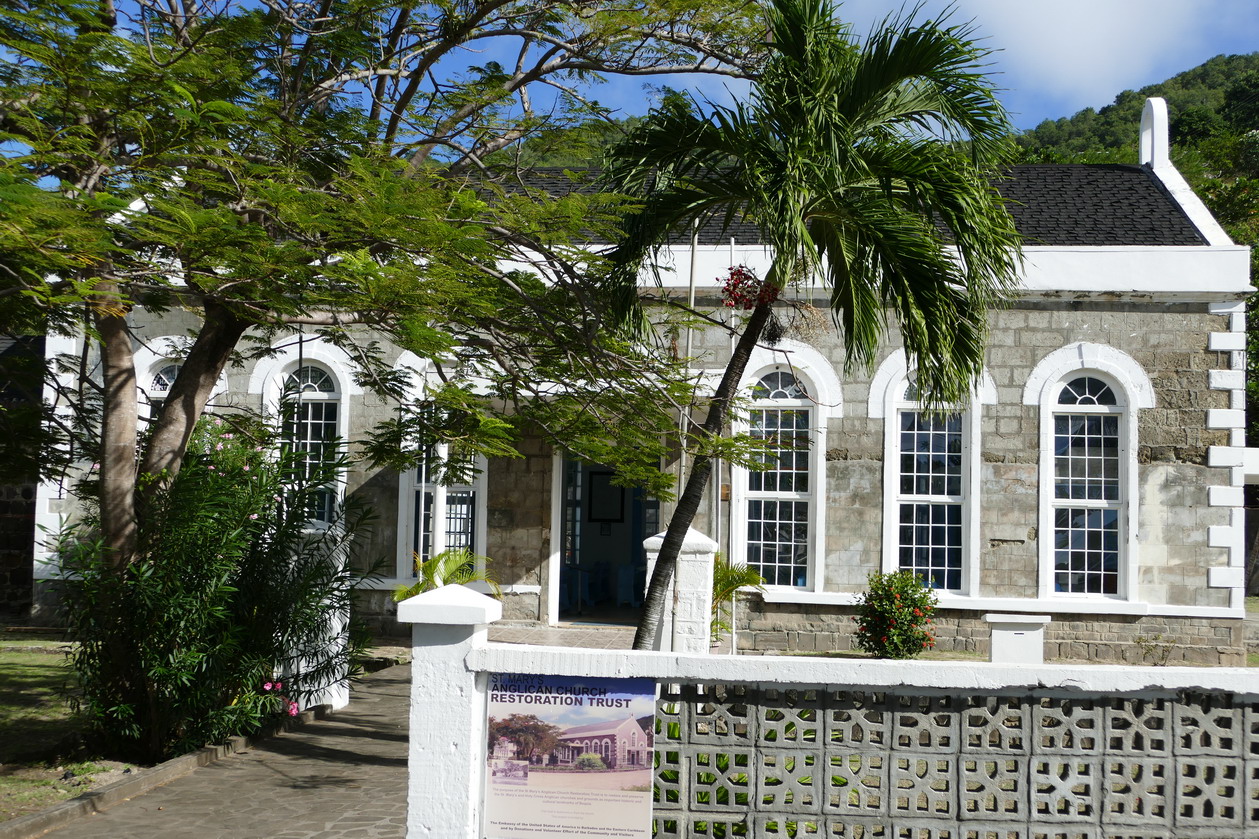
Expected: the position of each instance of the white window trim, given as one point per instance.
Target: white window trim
(1134, 391)
(740, 494)
(420, 373)
(408, 486)
(160, 352)
(887, 389)
(290, 353)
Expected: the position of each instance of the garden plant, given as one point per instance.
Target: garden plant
(894, 616)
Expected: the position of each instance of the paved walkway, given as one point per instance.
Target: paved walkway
(344, 776)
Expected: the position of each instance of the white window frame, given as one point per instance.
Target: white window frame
(895, 498)
(1133, 391)
(741, 494)
(409, 486)
(887, 400)
(335, 396)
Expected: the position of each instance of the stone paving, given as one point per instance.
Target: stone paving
(340, 778)
(344, 777)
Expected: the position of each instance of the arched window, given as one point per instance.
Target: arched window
(163, 378)
(931, 478)
(1089, 396)
(1088, 487)
(312, 428)
(932, 475)
(779, 504)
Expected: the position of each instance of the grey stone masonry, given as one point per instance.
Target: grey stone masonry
(851, 762)
(1128, 639)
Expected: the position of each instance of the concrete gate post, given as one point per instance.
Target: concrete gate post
(685, 627)
(446, 757)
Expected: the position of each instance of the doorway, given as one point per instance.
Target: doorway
(603, 568)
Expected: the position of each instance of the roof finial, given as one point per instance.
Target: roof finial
(1154, 141)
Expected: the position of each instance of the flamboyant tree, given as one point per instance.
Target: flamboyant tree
(866, 166)
(342, 166)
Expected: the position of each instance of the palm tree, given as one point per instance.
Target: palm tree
(868, 166)
(453, 567)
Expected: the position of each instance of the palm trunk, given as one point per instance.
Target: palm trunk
(697, 481)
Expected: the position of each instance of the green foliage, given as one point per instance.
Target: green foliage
(729, 580)
(233, 589)
(894, 616)
(589, 761)
(455, 567)
(1195, 98)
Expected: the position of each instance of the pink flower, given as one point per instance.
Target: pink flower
(292, 709)
(253, 515)
(218, 447)
(279, 685)
(266, 686)
(212, 469)
(246, 467)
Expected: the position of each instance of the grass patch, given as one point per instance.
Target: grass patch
(1252, 605)
(42, 760)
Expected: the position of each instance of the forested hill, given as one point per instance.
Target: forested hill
(1206, 100)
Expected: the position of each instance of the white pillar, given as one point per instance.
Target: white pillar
(685, 626)
(446, 759)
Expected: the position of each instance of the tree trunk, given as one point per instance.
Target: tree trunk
(118, 428)
(697, 481)
(217, 339)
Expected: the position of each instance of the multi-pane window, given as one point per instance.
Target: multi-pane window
(779, 504)
(457, 500)
(930, 496)
(163, 379)
(311, 429)
(1087, 488)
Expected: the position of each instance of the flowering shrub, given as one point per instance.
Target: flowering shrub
(230, 590)
(744, 290)
(277, 702)
(894, 616)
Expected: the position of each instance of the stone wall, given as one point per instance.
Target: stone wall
(1129, 639)
(17, 540)
(1170, 343)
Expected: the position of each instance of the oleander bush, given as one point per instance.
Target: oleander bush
(236, 610)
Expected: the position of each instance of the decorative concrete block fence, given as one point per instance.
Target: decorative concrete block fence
(766, 746)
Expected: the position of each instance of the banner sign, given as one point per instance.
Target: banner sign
(569, 756)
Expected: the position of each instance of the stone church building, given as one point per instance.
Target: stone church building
(1095, 477)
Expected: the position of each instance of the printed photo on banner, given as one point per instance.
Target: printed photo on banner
(570, 755)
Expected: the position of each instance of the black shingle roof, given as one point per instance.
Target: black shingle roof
(1100, 204)
(1066, 205)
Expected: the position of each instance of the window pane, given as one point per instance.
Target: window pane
(1086, 456)
(1086, 550)
(933, 550)
(777, 537)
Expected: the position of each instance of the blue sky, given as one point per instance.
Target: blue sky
(1056, 58)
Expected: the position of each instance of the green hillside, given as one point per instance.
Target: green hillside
(1199, 100)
